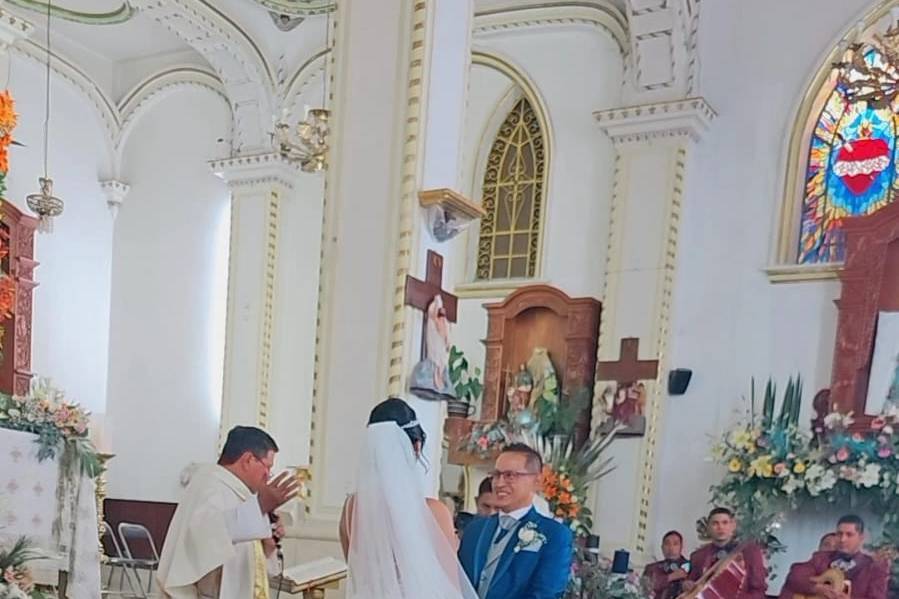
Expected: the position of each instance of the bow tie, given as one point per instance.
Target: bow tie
(843, 561)
(724, 550)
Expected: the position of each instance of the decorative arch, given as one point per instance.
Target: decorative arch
(236, 58)
(829, 148)
(148, 92)
(526, 91)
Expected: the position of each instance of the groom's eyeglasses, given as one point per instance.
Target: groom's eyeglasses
(510, 475)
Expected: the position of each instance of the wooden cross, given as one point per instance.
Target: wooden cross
(629, 368)
(419, 294)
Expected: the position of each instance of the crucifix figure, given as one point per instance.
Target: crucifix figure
(430, 377)
(625, 401)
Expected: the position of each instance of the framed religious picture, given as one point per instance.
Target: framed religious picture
(625, 404)
(883, 383)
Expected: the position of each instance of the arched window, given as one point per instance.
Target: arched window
(850, 170)
(512, 196)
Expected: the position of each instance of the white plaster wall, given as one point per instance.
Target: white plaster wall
(71, 304)
(168, 297)
(556, 60)
(729, 322)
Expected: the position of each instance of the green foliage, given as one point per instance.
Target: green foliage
(465, 379)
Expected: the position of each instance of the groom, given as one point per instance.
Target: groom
(516, 553)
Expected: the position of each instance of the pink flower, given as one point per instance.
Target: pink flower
(878, 423)
(842, 454)
(857, 437)
(884, 452)
(779, 468)
(482, 442)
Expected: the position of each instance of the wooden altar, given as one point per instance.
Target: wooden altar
(533, 316)
(17, 237)
(870, 284)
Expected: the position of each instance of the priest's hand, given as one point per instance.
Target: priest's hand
(277, 492)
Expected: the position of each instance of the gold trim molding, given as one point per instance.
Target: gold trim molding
(799, 273)
(451, 201)
(636, 124)
(409, 182)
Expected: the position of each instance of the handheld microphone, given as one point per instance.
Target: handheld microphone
(274, 520)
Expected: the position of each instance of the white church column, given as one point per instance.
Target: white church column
(653, 149)
(272, 287)
(386, 79)
(431, 164)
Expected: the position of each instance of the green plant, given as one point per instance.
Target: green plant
(466, 380)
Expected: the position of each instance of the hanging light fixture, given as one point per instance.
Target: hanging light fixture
(310, 149)
(872, 80)
(44, 203)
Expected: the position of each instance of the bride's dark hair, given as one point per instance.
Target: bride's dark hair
(394, 409)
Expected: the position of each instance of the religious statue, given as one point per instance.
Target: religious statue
(892, 400)
(546, 384)
(519, 390)
(430, 377)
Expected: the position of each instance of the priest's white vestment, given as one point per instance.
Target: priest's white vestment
(214, 544)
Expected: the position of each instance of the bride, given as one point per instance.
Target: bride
(398, 543)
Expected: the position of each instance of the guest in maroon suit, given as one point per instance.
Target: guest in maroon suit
(723, 529)
(667, 576)
(869, 577)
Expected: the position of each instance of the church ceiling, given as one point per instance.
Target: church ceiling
(92, 12)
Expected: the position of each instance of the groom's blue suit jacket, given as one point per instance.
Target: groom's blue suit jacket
(525, 574)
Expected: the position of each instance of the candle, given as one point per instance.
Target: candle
(620, 562)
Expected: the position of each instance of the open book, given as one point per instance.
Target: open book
(310, 575)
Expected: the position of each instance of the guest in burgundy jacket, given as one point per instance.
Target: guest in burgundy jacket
(723, 528)
(869, 577)
(667, 576)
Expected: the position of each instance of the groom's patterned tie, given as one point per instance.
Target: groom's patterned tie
(506, 523)
(501, 540)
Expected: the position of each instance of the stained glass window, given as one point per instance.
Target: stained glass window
(512, 196)
(851, 171)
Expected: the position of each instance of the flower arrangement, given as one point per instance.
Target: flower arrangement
(58, 424)
(8, 121)
(772, 468)
(568, 472)
(16, 581)
(594, 578)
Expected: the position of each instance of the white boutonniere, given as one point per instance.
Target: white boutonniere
(529, 537)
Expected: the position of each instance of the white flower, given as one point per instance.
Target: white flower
(870, 477)
(792, 485)
(527, 535)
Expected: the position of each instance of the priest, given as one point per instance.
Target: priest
(723, 529)
(222, 533)
(868, 577)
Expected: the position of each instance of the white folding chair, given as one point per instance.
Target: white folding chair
(125, 566)
(128, 534)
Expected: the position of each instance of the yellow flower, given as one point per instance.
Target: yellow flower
(735, 465)
(761, 467)
(799, 467)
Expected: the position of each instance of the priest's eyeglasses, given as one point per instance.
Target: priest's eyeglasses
(510, 475)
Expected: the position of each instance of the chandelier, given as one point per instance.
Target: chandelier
(310, 147)
(44, 203)
(874, 79)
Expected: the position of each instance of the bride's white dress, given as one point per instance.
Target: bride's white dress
(397, 551)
